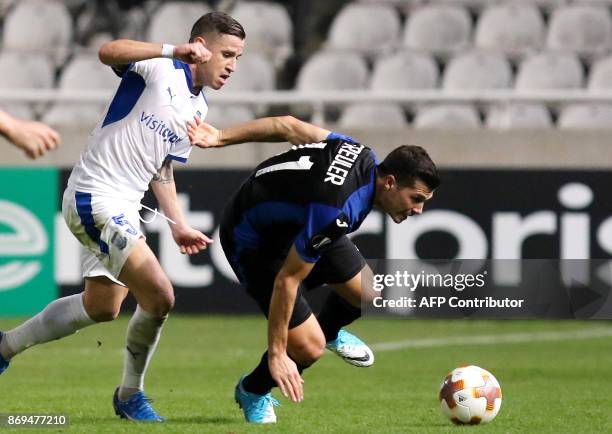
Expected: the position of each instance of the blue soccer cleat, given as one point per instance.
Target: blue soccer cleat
(136, 408)
(352, 349)
(256, 408)
(4, 364)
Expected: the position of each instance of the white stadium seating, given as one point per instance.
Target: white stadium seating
(550, 70)
(601, 74)
(518, 115)
(172, 22)
(40, 26)
(83, 72)
(447, 116)
(405, 70)
(222, 116)
(333, 71)
(586, 30)
(478, 70)
(439, 29)
(268, 28)
(511, 28)
(368, 29)
(519, 59)
(373, 115)
(586, 116)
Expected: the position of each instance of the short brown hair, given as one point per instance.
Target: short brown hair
(410, 163)
(216, 22)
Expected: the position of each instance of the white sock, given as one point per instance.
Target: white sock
(60, 318)
(143, 334)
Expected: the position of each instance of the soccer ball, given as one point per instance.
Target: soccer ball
(470, 395)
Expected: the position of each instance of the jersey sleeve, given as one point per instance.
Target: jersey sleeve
(151, 69)
(324, 225)
(180, 151)
(343, 137)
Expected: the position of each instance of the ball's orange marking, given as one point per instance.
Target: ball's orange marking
(489, 391)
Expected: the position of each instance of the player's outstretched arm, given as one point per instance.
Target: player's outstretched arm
(271, 129)
(282, 369)
(189, 240)
(34, 138)
(125, 51)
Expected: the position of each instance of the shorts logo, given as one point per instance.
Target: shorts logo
(341, 224)
(319, 241)
(119, 241)
(121, 221)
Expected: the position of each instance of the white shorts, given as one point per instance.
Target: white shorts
(108, 228)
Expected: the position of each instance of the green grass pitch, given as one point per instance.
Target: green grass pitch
(560, 385)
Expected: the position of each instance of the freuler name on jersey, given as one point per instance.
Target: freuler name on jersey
(346, 156)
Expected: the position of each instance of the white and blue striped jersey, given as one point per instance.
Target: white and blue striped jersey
(144, 124)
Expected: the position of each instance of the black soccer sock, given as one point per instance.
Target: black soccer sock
(260, 381)
(336, 313)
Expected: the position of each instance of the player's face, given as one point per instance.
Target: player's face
(402, 202)
(225, 49)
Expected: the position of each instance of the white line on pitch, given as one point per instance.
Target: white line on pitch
(494, 339)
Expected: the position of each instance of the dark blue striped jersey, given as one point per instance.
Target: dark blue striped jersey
(309, 196)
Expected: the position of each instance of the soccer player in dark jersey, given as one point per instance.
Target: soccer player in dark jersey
(286, 229)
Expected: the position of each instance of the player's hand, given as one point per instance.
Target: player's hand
(202, 134)
(284, 371)
(193, 52)
(189, 240)
(34, 138)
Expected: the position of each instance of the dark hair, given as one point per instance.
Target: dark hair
(217, 22)
(408, 164)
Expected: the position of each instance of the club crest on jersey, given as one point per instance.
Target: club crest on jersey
(345, 157)
(159, 127)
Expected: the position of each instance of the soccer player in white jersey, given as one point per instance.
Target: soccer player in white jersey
(142, 131)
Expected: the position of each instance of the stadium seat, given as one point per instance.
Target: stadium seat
(84, 72)
(20, 110)
(373, 115)
(333, 71)
(74, 115)
(41, 26)
(475, 5)
(518, 115)
(330, 71)
(172, 22)
(25, 70)
(367, 29)
(601, 74)
(545, 5)
(223, 116)
(268, 27)
(586, 30)
(253, 73)
(405, 70)
(586, 116)
(447, 116)
(550, 70)
(512, 28)
(477, 70)
(441, 29)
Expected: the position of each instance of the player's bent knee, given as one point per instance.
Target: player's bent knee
(104, 314)
(163, 304)
(309, 352)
